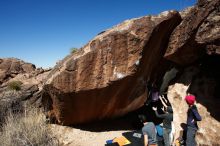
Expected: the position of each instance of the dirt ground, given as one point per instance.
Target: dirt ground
(76, 137)
(93, 134)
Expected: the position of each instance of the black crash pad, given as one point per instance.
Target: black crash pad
(136, 138)
(112, 144)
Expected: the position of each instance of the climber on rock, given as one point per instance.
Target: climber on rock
(153, 94)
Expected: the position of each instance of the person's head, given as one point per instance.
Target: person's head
(190, 99)
(142, 118)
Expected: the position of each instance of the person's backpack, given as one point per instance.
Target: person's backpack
(159, 129)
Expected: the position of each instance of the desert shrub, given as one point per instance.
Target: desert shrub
(9, 106)
(9, 102)
(73, 50)
(15, 85)
(28, 128)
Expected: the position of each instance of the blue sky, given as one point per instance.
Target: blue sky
(43, 31)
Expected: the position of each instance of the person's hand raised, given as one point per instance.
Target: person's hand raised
(154, 108)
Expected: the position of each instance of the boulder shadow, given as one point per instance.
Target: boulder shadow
(116, 124)
(129, 122)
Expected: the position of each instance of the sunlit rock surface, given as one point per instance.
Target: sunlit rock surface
(107, 77)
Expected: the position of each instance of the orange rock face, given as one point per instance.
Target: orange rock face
(107, 77)
(197, 34)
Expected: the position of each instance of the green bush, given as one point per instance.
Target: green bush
(73, 50)
(15, 85)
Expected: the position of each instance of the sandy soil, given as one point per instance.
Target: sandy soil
(93, 134)
(78, 137)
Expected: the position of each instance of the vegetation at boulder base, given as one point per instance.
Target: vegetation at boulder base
(28, 129)
(24, 125)
(15, 85)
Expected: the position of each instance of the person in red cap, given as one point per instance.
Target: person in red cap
(192, 117)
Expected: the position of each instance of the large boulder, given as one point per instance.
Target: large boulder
(196, 41)
(203, 81)
(198, 33)
(107, 77)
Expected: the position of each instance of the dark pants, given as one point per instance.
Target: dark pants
(160, 141)
(166, 136)
(190, 136)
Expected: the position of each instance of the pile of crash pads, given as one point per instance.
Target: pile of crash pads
(134, 138)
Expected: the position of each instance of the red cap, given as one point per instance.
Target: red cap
(190, 99)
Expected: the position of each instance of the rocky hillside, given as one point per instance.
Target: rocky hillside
(11, 67)
(20, 82)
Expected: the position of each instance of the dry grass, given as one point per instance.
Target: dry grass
(9, 104)
(28, 128)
